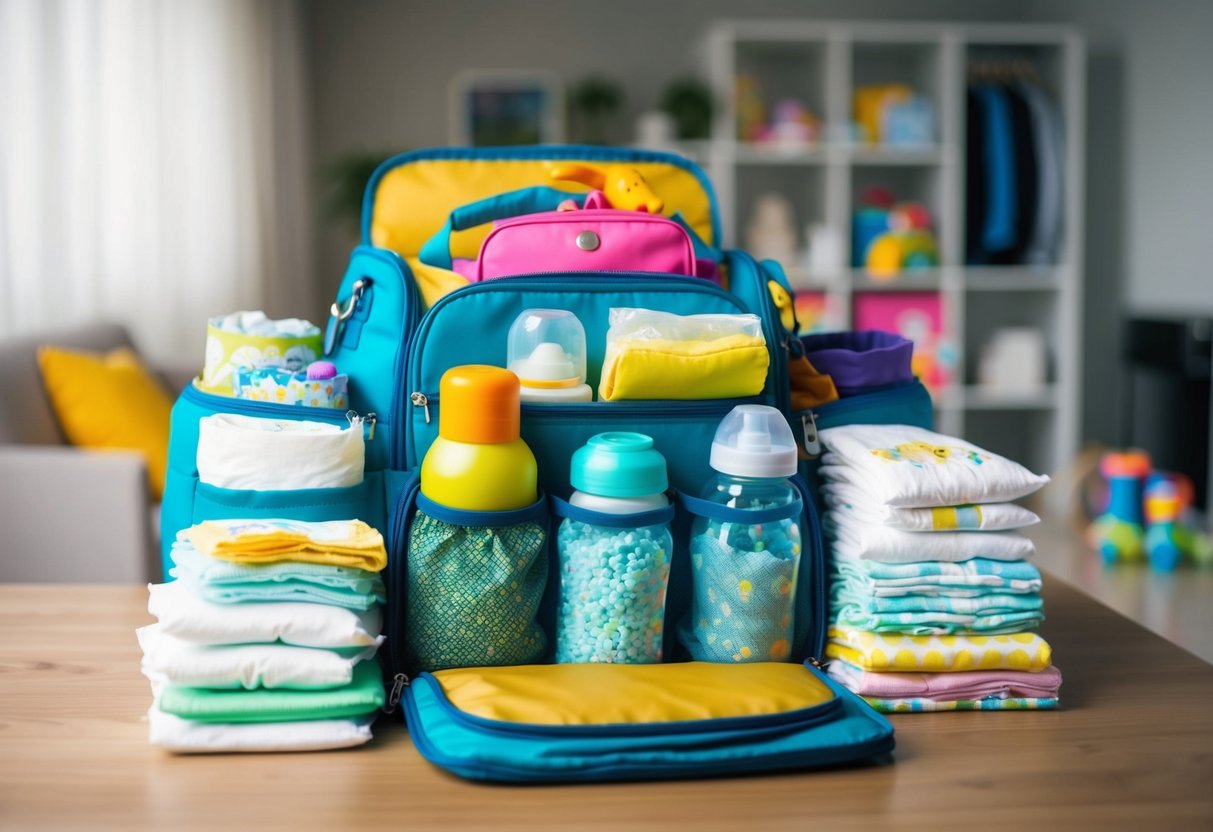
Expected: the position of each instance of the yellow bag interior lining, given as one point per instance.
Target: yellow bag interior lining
(611, 694)
(413, 201)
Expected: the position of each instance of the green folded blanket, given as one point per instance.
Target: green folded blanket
(363, 695)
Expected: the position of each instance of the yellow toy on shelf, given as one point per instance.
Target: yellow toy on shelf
(622, 185)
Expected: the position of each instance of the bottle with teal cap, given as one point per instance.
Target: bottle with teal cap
(614, 547)
(745, 543)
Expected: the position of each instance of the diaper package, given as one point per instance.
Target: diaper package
(659, 355)
(185, 736)
(284, 386)
(253, 340)
(246, 452)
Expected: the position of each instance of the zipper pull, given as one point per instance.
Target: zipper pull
(420, 400)
(399, 682)
(812, 444)
(817, 663)
(371, 420)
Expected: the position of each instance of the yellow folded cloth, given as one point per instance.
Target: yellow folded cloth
(642, 368)
(259, 542)
(894, 651)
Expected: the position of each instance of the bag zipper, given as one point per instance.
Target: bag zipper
(230, 404)
(640, 281)
(833, 413)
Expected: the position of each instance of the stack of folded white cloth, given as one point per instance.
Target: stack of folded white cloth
(930, 584)
(266, 640)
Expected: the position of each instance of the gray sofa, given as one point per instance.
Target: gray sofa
(68, 514)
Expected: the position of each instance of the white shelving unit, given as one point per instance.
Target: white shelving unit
(820, 64)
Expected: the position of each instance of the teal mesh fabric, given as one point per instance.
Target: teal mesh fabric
(473, 594)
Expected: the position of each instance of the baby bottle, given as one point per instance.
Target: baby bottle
(479, 462)
(547, 353)
(614, 547)
(745, 543)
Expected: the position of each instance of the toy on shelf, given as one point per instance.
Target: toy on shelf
(622, 185)
(791, 123)
(771, 232)
(890, 237)
(1144, 516)
(893, 114)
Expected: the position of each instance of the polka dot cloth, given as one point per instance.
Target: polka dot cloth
(894, 651)
(743, 602)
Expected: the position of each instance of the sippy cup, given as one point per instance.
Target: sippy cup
(745, 543)
(614, 547)
(547, 353)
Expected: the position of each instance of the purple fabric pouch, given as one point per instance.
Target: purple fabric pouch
(862, 360)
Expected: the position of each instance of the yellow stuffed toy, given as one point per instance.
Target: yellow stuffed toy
(623, 186)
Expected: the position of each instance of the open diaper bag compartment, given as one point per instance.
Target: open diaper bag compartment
(604, 554)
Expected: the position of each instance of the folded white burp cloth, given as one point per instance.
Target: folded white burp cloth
(907, 467)
(186, 737)
(185, 616)
(245, 452)
(172, 661)
(867, 541)
(853, 502)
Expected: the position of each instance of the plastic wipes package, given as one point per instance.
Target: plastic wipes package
(659, 355)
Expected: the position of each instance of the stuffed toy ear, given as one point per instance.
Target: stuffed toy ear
(579, 173)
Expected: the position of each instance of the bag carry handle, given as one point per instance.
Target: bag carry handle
(534, 200)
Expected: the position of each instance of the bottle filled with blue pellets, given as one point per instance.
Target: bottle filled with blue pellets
(615, 547)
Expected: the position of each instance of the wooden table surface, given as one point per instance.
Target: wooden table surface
(1131, 748)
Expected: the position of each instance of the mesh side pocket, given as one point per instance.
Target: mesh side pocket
(474, 593)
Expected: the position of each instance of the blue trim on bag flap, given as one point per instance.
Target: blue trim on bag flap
(535, 512)
(555, 153)
(637, 520)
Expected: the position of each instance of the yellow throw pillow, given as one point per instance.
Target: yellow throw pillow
(109, 402)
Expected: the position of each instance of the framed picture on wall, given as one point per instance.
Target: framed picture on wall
(493, 108)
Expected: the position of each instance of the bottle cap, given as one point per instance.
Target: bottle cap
(547, 366)
(619, 464)
(546, 349)
(754, 441)
(479, 404)
(320, 370)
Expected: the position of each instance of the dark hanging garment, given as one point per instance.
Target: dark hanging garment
(1045, 239)
(1023, 144)
(998, 233)
(975, 179)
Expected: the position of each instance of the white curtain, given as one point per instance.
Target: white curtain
(153, 166)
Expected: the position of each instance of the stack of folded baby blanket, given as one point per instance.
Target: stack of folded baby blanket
(934, 602)
(266, 640)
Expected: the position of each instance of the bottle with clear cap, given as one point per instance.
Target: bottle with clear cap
(745, 543)
(546, 350)
(615, 552)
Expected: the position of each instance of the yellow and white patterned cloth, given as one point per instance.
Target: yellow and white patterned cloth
(945, 653)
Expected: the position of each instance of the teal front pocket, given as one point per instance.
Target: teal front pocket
(363, 501)
(474, 586)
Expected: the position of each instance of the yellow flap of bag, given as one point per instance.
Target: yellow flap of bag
(610, 694)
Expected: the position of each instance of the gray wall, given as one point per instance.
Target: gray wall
(380, 72)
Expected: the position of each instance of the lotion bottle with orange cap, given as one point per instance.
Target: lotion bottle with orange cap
(479, 462)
